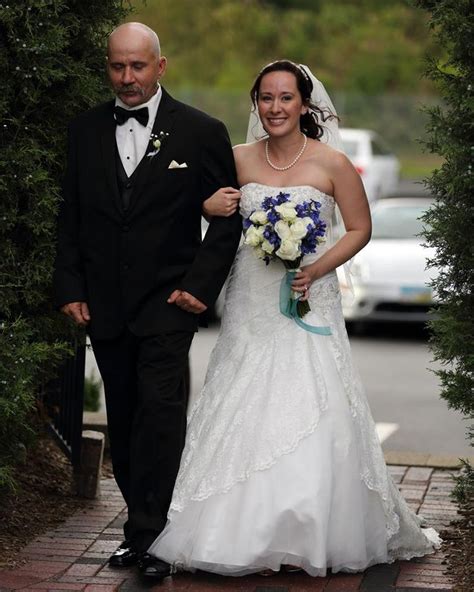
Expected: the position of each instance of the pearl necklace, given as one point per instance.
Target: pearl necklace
(293, 162)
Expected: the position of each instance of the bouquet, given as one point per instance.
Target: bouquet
(285, 230)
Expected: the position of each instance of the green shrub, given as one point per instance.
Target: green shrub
(52, 56)
(450, 220)
(92, 387)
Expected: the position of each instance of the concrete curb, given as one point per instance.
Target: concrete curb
(424, 459)
(98, 421)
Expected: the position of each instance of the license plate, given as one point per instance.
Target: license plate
(416, 294)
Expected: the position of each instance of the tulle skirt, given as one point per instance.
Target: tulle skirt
(310, 508)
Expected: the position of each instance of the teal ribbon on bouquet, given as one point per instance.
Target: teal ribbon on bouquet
(289, 305)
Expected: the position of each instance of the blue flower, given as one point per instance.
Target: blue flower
(301, 210)
(268, 203)
(282, 198)
(314, 215)
(271, 236)
(273, 216)
(246, 223)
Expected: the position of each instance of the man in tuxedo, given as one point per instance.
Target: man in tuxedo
(132, 268)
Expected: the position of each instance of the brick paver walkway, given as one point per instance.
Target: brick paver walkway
(74, 555)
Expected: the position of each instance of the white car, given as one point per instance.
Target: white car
(378, 167)
(389, 276)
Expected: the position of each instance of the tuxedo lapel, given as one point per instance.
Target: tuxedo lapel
(152, 165)
(109, 148)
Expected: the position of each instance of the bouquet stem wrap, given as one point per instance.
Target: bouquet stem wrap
(289, 305)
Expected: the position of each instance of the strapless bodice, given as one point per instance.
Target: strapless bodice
(254, 193)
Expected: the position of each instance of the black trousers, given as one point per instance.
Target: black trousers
(146, 391)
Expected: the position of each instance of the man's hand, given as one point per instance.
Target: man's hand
(78, 311)
(224, 202)
(187, 302)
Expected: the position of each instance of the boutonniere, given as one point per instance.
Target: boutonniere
(156, 141)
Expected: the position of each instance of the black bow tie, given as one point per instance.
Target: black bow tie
(121, 115)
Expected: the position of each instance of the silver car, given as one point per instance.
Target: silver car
(378, 167)
(389, 276)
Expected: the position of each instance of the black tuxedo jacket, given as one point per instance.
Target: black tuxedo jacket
(126, 264)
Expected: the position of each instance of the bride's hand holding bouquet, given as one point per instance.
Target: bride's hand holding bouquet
(285, 230)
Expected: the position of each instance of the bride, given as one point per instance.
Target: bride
(282, 466)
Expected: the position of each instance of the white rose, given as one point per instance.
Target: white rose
(282, 229)
(289, 250)
(259, 217)
(253, 237)
(287, 211)
(267, 246)
(298, 229)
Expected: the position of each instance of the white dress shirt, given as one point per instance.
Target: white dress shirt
(132, 137)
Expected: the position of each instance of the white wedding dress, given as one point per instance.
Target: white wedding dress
(282, 464)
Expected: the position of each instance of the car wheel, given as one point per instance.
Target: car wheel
(355, 327)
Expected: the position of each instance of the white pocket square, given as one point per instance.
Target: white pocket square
(175, 165)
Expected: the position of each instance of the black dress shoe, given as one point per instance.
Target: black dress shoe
(124, 556)
(151, 567)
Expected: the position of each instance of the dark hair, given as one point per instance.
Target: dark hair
(310, 122)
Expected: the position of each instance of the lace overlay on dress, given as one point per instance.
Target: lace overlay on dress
(271, 369)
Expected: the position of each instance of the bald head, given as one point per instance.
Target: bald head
(134, 63)
(134, 35)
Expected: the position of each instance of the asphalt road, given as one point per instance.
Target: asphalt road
(394, 362)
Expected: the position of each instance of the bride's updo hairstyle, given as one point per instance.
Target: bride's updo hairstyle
(309, 122)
